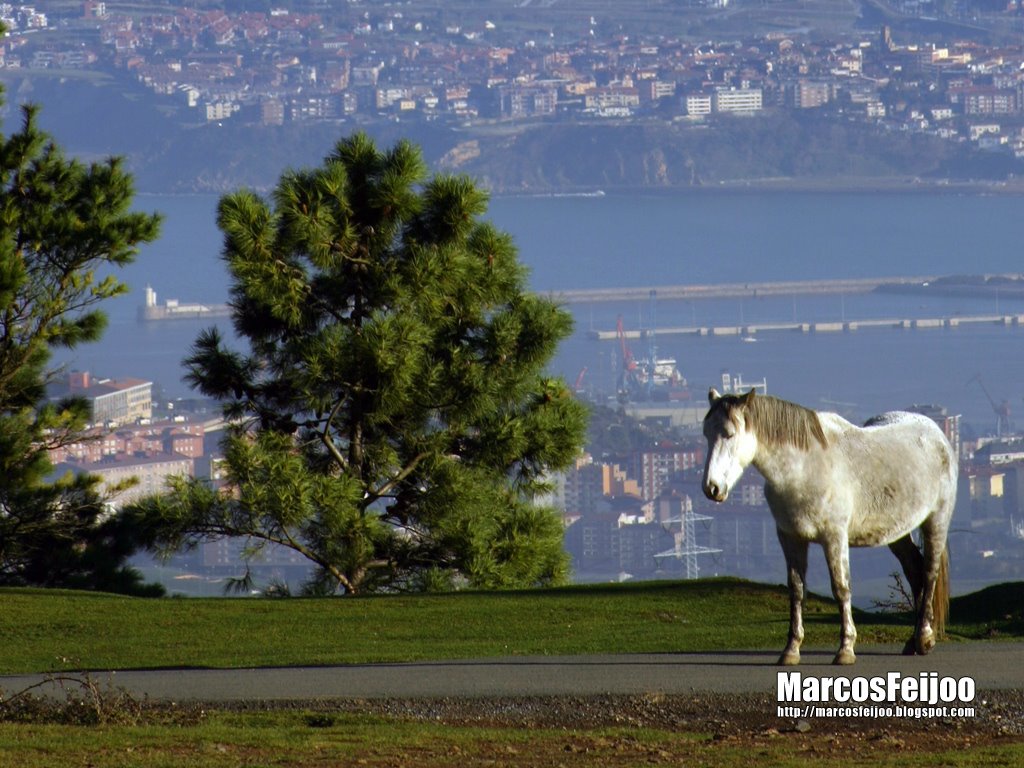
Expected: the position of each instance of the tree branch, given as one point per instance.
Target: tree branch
(386, 489)
(325, 436)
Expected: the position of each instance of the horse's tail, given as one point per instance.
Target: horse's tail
(940, 597)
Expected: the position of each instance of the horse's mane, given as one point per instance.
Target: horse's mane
(780, 422)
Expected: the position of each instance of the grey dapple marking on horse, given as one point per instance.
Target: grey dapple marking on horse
(831, 482)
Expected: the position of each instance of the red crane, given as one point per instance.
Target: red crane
(629, 364)
(578, 386)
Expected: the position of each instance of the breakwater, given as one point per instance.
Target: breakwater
(175, 311)
(1006, 285)
(172, 309)
(921, 284)
(751, 330)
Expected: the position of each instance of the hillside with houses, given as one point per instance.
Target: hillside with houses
(597, 101)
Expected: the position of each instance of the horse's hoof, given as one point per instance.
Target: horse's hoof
(910, 648)
(845, 657)
(789, 659)
(925, 642)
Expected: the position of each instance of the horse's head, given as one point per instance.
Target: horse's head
(731, 443)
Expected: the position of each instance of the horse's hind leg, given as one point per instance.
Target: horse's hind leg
(935, 592)
(837, 556)
(795, 552)
(912, 560)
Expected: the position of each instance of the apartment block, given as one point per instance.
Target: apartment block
(737, 100)
(113, 402)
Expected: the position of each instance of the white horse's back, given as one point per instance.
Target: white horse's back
(900, 469)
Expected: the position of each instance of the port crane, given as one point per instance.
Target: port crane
(578, 386)
(640, 377)
(1002, 411)
(628, 374)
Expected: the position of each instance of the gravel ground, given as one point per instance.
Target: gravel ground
(997, 714)
(750, 719)
(613, 731)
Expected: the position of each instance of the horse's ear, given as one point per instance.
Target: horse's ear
(713, 396)
(748, 398)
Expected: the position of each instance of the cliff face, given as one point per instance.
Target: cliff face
(583, 157)
(741, 150)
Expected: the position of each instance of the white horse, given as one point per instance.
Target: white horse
(831, 482)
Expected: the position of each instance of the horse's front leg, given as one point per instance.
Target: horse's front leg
(837, 555)
(795, 552)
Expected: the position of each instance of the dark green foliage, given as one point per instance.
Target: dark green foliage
(61, 224)
(614, 433)
(999, 607)
(396, 424)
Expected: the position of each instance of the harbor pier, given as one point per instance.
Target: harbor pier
(737, 290)
(751, 330)
(1008, 285)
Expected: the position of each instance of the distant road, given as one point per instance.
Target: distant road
(993, 665)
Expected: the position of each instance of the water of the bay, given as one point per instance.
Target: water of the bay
(651, 240)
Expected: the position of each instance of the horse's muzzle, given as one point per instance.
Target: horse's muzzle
(714, 492)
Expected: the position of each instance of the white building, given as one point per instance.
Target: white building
(737, 100)
(698, 105)
(117, 402)
(130, 478)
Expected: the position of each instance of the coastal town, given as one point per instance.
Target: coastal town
(309, 62)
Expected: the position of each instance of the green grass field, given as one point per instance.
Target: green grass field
(49, 631)
(303, 740)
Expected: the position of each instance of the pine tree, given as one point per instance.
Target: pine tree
(394, 419)
(62, 224)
